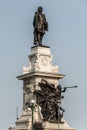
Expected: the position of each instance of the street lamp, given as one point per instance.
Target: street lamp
(32, 106)
(10, 128)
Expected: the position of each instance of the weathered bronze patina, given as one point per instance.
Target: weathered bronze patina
(49, 99)
(40, 26)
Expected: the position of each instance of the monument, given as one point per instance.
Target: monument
(42, 93)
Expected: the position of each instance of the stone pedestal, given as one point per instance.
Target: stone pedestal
(40, 67)
(56, 126)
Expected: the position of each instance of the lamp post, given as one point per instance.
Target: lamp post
(32, 106)
(10, 128)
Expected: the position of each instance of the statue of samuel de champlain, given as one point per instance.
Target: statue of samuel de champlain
(40, 26)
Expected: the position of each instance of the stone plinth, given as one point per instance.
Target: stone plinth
(40, 61)
(56, 126)
(40, 67)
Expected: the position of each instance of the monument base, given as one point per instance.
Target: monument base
(40, 67)
(25, 123)
(57, 126)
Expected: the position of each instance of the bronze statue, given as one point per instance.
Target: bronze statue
(56, 114)
(40, 26)
(48, 99)
(59, 92)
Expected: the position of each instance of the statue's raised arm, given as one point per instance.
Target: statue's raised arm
(40, 26)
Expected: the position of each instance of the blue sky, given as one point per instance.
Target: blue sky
(67, 38)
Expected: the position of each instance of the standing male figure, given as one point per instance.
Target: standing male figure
(40, 26)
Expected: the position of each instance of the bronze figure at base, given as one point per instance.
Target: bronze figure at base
(48, 98)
